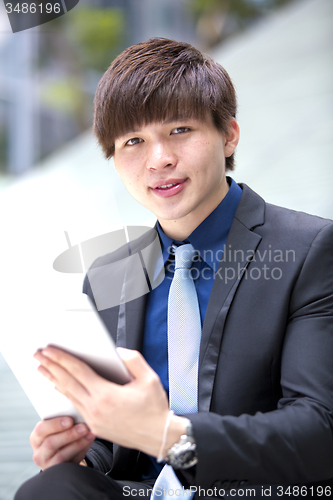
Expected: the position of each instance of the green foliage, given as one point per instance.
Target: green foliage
(80, 46)
(218, 19)
(61, 95)
(97, 34)
(241, 8)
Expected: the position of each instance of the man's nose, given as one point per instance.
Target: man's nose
(160, 155)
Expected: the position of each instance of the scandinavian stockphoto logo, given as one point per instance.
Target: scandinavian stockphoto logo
(125, 277)
(24, 15)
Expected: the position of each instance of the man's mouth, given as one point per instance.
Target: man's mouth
(170, 188)
(167, 186)
(167, 183)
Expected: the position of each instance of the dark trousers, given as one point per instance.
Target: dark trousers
(74, 482)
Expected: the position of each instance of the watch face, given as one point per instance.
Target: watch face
(187, 459)
(183, 454)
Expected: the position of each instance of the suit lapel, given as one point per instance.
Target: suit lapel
(241, 244)
(131, 320)
(131, 315)
(122, 280)
(125, 322)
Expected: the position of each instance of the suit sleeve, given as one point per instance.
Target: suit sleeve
(294, 443)
(100, 455)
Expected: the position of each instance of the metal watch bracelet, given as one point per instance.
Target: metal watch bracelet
(183, 455)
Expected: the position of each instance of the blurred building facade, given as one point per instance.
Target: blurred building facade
(31, 127)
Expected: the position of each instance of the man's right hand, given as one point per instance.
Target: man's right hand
(58, 440)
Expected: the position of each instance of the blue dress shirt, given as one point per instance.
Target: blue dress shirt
(208, 239)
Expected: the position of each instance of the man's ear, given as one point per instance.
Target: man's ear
(231, 138)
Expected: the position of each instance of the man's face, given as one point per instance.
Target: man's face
(176, 168)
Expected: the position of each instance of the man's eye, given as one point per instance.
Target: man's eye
(180, 130)
(132, 142)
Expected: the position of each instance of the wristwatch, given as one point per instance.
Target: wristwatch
(183, 455)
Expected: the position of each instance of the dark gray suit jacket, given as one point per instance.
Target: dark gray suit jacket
(266, 357)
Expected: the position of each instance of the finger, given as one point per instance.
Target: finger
(55, 442)
(48, 427)
(72, 452)
(65, 381)
(82, 453)
(135, 362)
(78, 369)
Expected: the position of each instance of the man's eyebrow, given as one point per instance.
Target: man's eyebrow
(164, 122)
(128, 132)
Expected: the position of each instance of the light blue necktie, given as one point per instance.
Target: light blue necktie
(184, 335)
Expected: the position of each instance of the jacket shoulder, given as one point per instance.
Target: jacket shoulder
(262, 217)
(294, 224)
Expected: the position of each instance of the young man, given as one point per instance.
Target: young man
(254, 404)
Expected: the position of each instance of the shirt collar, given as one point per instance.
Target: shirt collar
(210, 236)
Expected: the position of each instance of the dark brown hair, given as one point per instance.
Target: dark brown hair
(158, 80)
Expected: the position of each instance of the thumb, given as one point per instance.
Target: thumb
(134, 362)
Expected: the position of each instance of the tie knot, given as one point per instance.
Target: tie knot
(184, 256)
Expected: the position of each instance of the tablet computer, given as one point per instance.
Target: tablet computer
(81, 333)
